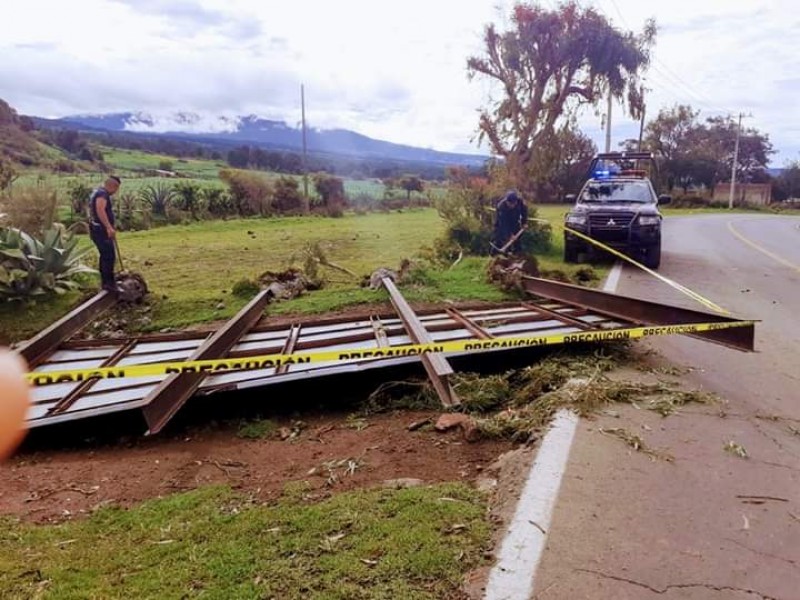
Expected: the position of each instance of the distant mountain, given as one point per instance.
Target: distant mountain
(265, 133)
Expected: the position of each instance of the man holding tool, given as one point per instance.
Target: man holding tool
(511, 220)
(102, 232)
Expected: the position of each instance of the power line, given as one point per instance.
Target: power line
(673, 78)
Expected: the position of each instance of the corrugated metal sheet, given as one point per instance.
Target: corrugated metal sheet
(110, 395)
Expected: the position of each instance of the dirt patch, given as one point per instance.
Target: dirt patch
(328, 454)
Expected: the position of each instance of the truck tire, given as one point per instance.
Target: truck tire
(652, 255)
(570, 253)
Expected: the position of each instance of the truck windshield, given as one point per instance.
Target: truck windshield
(617, 191)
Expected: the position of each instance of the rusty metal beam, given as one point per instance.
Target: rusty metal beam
(567, 320)
(470, 325)
(35, 350)
(642, 311)
(381, 337)
(289, 346)
(168, 397)
(436, 365)
(85, 386)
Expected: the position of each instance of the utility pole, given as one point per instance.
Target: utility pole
(641, 125)
(305, 148)
(735, 163)
(608, 123)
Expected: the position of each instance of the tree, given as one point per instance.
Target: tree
(550, 63)
(330, 189)
(239, 158)
(251, 193)
(575, 151)
(787, 185)
(411, 183)
(754, 149)
(69, 140)
(673, 132)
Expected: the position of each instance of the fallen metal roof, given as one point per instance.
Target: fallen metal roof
(571, 312)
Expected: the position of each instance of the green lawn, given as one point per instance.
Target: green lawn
(191, 269)
(211, 543)
(195, 266)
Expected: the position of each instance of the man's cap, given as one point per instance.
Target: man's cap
(512, 195)
(115, 178)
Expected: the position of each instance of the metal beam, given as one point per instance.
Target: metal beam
(642, 311)
(468, 324)
(567, 320)
(381, 337)
(85, 386)
(289, 346)
(35, 350)
(168, 397)
(436, 365)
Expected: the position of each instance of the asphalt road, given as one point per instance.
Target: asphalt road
(710, 525)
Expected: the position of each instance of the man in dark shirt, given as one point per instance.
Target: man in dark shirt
(511, 218)
(102, 231)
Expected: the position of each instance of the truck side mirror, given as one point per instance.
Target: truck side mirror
(664, 199)
(570, 198)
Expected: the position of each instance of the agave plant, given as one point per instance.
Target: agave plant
(31, 267)
(158, 197)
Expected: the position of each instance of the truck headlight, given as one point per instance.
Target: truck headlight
(649, 220)
(574, 219)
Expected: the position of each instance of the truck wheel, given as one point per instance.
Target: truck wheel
(571, 252)
(652, 255)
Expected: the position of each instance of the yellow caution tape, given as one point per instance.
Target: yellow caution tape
(673, 284)
(255, 363)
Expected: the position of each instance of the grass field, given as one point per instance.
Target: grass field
(361, 545)
(191, 269)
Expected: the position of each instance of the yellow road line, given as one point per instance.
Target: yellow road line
(761, 249)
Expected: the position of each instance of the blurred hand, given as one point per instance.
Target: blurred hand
(14, 401)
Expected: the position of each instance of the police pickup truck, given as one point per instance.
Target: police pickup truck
(618, 207)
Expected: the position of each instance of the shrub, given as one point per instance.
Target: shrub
(188, 198)
(79, 194)
(130, 215)
(217, 201)
(7, 174)
(30, 208)
(467, 210)
(251, 193)
(29, 267)
(165, 165)
(287, 195)
(330, 189)
(158, 197)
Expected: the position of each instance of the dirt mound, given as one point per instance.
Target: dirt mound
(508, 271)
(132, 288)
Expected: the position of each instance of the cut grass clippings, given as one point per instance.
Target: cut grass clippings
(518, 405)
(211, 542)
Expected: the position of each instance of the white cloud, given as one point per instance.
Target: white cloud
(391, 70)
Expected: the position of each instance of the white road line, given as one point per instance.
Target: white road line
(514, 575)
(613, 278)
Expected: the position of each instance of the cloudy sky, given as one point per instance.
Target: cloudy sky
(391, 70)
